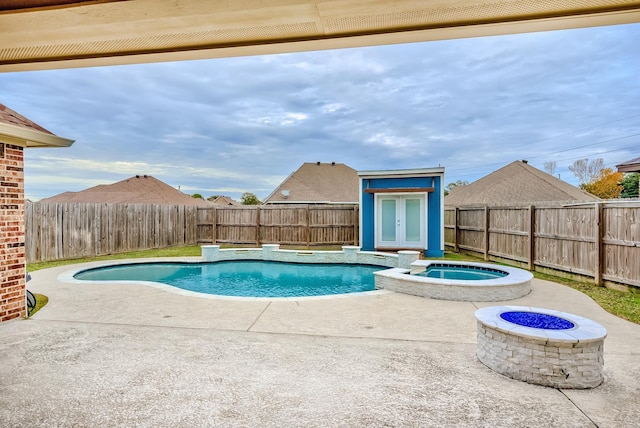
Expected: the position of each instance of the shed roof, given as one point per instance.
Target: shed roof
(517, 183)
(632, 165)
(318, 182)
(139, 189)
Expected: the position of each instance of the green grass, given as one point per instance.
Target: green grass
(193, 250)
(41, 300)
(622, 304)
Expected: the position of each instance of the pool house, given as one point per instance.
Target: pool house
(402, 210)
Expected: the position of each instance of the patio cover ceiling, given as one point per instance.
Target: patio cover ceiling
(45, 34)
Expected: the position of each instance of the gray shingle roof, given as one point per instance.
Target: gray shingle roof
(318, 182)
(516, 183)
(140, 189)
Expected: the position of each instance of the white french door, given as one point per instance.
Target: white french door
(400, 221)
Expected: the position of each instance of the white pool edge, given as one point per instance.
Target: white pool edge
(516, 284)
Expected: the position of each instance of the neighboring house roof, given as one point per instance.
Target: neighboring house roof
(632, 165)
(140, 189)
(516, 183)
(317, 182)
(224, 200)
(14, 118)
(18, 130)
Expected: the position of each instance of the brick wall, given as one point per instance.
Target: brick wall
(12, 257)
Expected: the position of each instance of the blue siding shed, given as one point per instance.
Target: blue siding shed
(402, 209)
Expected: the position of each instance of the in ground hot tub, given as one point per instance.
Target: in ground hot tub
(462, 281)
(541, 346)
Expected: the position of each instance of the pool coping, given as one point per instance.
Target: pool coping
(514, 275)
(514, 285)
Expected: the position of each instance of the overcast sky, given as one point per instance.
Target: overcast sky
(234, 125)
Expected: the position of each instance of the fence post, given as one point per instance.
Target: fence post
(214, 232)
(532, 243)
(258, 226)
(456, 246)
(308, 213)
(356, 220)
(486, 232)
(599, 268)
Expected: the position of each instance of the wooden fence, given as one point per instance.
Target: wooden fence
(56, 231)
(72, 230)
(306, 225)
(599, 240)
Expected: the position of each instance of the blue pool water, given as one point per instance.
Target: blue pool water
(461, 272)
(245, 278)
(537, 320)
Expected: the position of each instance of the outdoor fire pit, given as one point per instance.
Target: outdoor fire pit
(541, 346)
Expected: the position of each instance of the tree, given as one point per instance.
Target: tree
(607, 185)
(630, 185)
(550, 167)
(196, 196)
(249, 199)
(587, 171)
(450, 186)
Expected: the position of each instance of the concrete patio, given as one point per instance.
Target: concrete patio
(133, 355)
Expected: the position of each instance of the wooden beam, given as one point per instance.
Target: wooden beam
(402, 190)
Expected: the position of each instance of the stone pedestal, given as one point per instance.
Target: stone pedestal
(406, 257)
(210, 253)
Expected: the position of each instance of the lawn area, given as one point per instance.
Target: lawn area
(622, 304)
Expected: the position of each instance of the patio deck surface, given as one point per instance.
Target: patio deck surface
(133, 355)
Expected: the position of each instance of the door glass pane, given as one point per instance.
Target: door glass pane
(388, 219)
(412, 220)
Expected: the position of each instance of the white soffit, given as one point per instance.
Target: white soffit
(45, 34)
(24, 137)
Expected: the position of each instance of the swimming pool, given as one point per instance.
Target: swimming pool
(461, 272)
(244, 278)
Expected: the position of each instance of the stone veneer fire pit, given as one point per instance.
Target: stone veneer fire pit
(541, 346)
